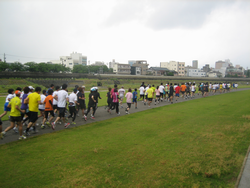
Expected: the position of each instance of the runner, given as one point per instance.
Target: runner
(150, 93)
(157, 95)
(141, 89)
(48, 109)
(55, 100)
(7, 100)
(98, 96)
(109, 100)
(177, 92)
(193, 90)
(80, 100)
(115, 98)
(33, 99)
(92, 104)
(129, 97)
(62, 97)
(121, 95)
(135, 98)
(15, 115)
(161, 91)
(72, 104)
(171, 93)
(41, 107)
(183, 90)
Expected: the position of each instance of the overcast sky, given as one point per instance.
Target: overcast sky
(152, 30)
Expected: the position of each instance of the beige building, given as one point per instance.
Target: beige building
(140, 63)
(122, 68)
(179, 67)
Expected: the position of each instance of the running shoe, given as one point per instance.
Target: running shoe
(42, 126)
(118, 113)
(73, 123)
(67, 125)
(25, 124)
(15, 130)
(1, 135)
(85, 118)
(92, 117)
(126, 112)
(26, 133)
(22, 137)
(53, 125)
(48, 123)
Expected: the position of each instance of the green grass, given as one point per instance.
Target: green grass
(198, 143)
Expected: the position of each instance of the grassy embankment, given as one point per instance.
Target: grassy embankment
(198, 143)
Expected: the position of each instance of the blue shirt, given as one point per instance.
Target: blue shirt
(134, 94)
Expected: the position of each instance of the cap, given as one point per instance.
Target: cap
(17, 92)
(83, 86)
(92, 89)
(30, 87)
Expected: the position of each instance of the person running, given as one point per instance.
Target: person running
(115, 100)
(193, 90)
(142, 90)
(183, 90)
(153, 88)
(146, 95)
(33, 99)
(135, 98)
(150, 93)
(7, 100)
(187, 90)
(25, 116)
(98, 96)
(41, 107)
(206, 90)
(80, 100)
(72, 106)
(121, 95)
(129, 97)
(91, 104)
(15, 115)
(171, 93)
(54, 100)
(62, 98)
(177, 92)
(161, 91)
(109, 100)
(48, 102)
(157, 95)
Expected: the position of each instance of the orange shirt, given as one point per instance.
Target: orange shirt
(183, 88)
(48, 106)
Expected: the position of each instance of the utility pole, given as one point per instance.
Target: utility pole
(4, 58)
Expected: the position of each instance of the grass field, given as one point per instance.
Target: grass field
(198, 143)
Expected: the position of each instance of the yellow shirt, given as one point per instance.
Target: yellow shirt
(150, 93)
(15, 102)
(33, 101)
(153, 88)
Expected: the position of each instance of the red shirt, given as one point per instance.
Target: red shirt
(177, 89)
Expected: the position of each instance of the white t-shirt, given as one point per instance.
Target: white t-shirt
(9, 96)
(192, 88)
(54, 100)
(141, 90)
(121, 92)
(235, 85)
(62, 96)
(161, 88)
(42, 106)
(72, 99)
(146, 90)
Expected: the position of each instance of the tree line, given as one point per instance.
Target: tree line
(52, 68)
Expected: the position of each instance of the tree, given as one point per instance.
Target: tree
(31, 67)
(3, 66)
(17, 66)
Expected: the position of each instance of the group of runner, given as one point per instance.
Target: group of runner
(24, 104)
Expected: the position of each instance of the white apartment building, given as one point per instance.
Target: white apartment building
(122, 68)
(69, 61)
(191, 72)
(174, 65)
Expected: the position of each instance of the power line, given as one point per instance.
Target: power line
(29, 57)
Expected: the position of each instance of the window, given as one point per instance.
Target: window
(70, 63)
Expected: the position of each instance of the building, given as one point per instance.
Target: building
(140, 63)
(214, 74)
(122, 68)
(112, 63)
(158, 71)
(69, 61)
(179, 67)
(192, 72)
(195, 64)
(135, 70)
(234, 72)
(206, 68)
